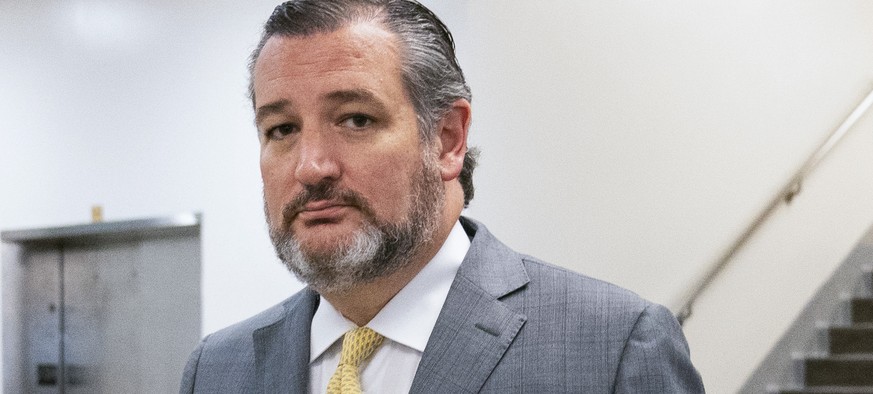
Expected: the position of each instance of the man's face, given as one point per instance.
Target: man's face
(341, 159)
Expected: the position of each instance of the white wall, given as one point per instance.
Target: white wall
(628, 140)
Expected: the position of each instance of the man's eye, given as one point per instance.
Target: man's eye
(357, 121)
(281, 131)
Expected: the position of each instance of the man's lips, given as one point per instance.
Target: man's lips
(320, 205)
(322, 211)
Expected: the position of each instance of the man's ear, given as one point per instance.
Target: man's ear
(452, 133)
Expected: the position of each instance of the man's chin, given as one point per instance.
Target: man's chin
(319, 238)
(324, 249)
(325, 273)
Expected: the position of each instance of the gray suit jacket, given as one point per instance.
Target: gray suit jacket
(510, 324)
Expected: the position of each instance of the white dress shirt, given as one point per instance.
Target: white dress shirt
(406, 323)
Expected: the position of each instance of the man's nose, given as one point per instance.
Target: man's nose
(317, 160)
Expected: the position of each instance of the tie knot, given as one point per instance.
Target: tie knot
(358, 344)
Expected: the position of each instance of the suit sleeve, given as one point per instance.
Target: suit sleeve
(656, 358)
(190, 374)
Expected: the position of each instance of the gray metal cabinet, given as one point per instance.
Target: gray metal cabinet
(101, 308)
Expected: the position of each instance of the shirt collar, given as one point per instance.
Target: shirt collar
(411, 315)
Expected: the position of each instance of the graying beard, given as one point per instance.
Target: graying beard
(340, 271)
(377, 250)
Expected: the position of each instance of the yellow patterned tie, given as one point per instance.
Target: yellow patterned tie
(358, 344)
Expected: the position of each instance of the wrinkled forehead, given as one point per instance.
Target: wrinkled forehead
(361, 47)
(358, 65)
(352, 42)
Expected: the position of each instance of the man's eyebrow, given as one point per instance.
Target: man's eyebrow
(265, 110)
(354, 95)
(337, 97)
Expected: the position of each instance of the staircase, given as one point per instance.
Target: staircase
(844, 361)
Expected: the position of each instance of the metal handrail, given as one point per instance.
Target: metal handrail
(785, 195)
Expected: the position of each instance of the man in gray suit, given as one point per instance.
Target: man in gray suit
(363, 114)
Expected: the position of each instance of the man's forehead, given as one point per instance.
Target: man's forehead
(353, 41)
(362, 47)
(359, 58)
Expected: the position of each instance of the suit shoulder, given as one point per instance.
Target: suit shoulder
(243, 330)
(225, 361)
(590, 293)
(527, 282)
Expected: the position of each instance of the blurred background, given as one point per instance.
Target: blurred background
(632, 141)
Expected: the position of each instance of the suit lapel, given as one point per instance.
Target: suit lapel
(282, 348)
(474, 328)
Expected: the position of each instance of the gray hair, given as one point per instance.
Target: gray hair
(430, 71)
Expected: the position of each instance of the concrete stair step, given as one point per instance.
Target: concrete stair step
(830, 390)
(848, 366)
(839, 370)
(854, 339)
(862, 310)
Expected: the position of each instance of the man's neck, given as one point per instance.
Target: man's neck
(364, 302)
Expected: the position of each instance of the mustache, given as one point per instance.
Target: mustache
(325, 191)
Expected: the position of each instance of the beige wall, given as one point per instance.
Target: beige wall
(627, 140)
